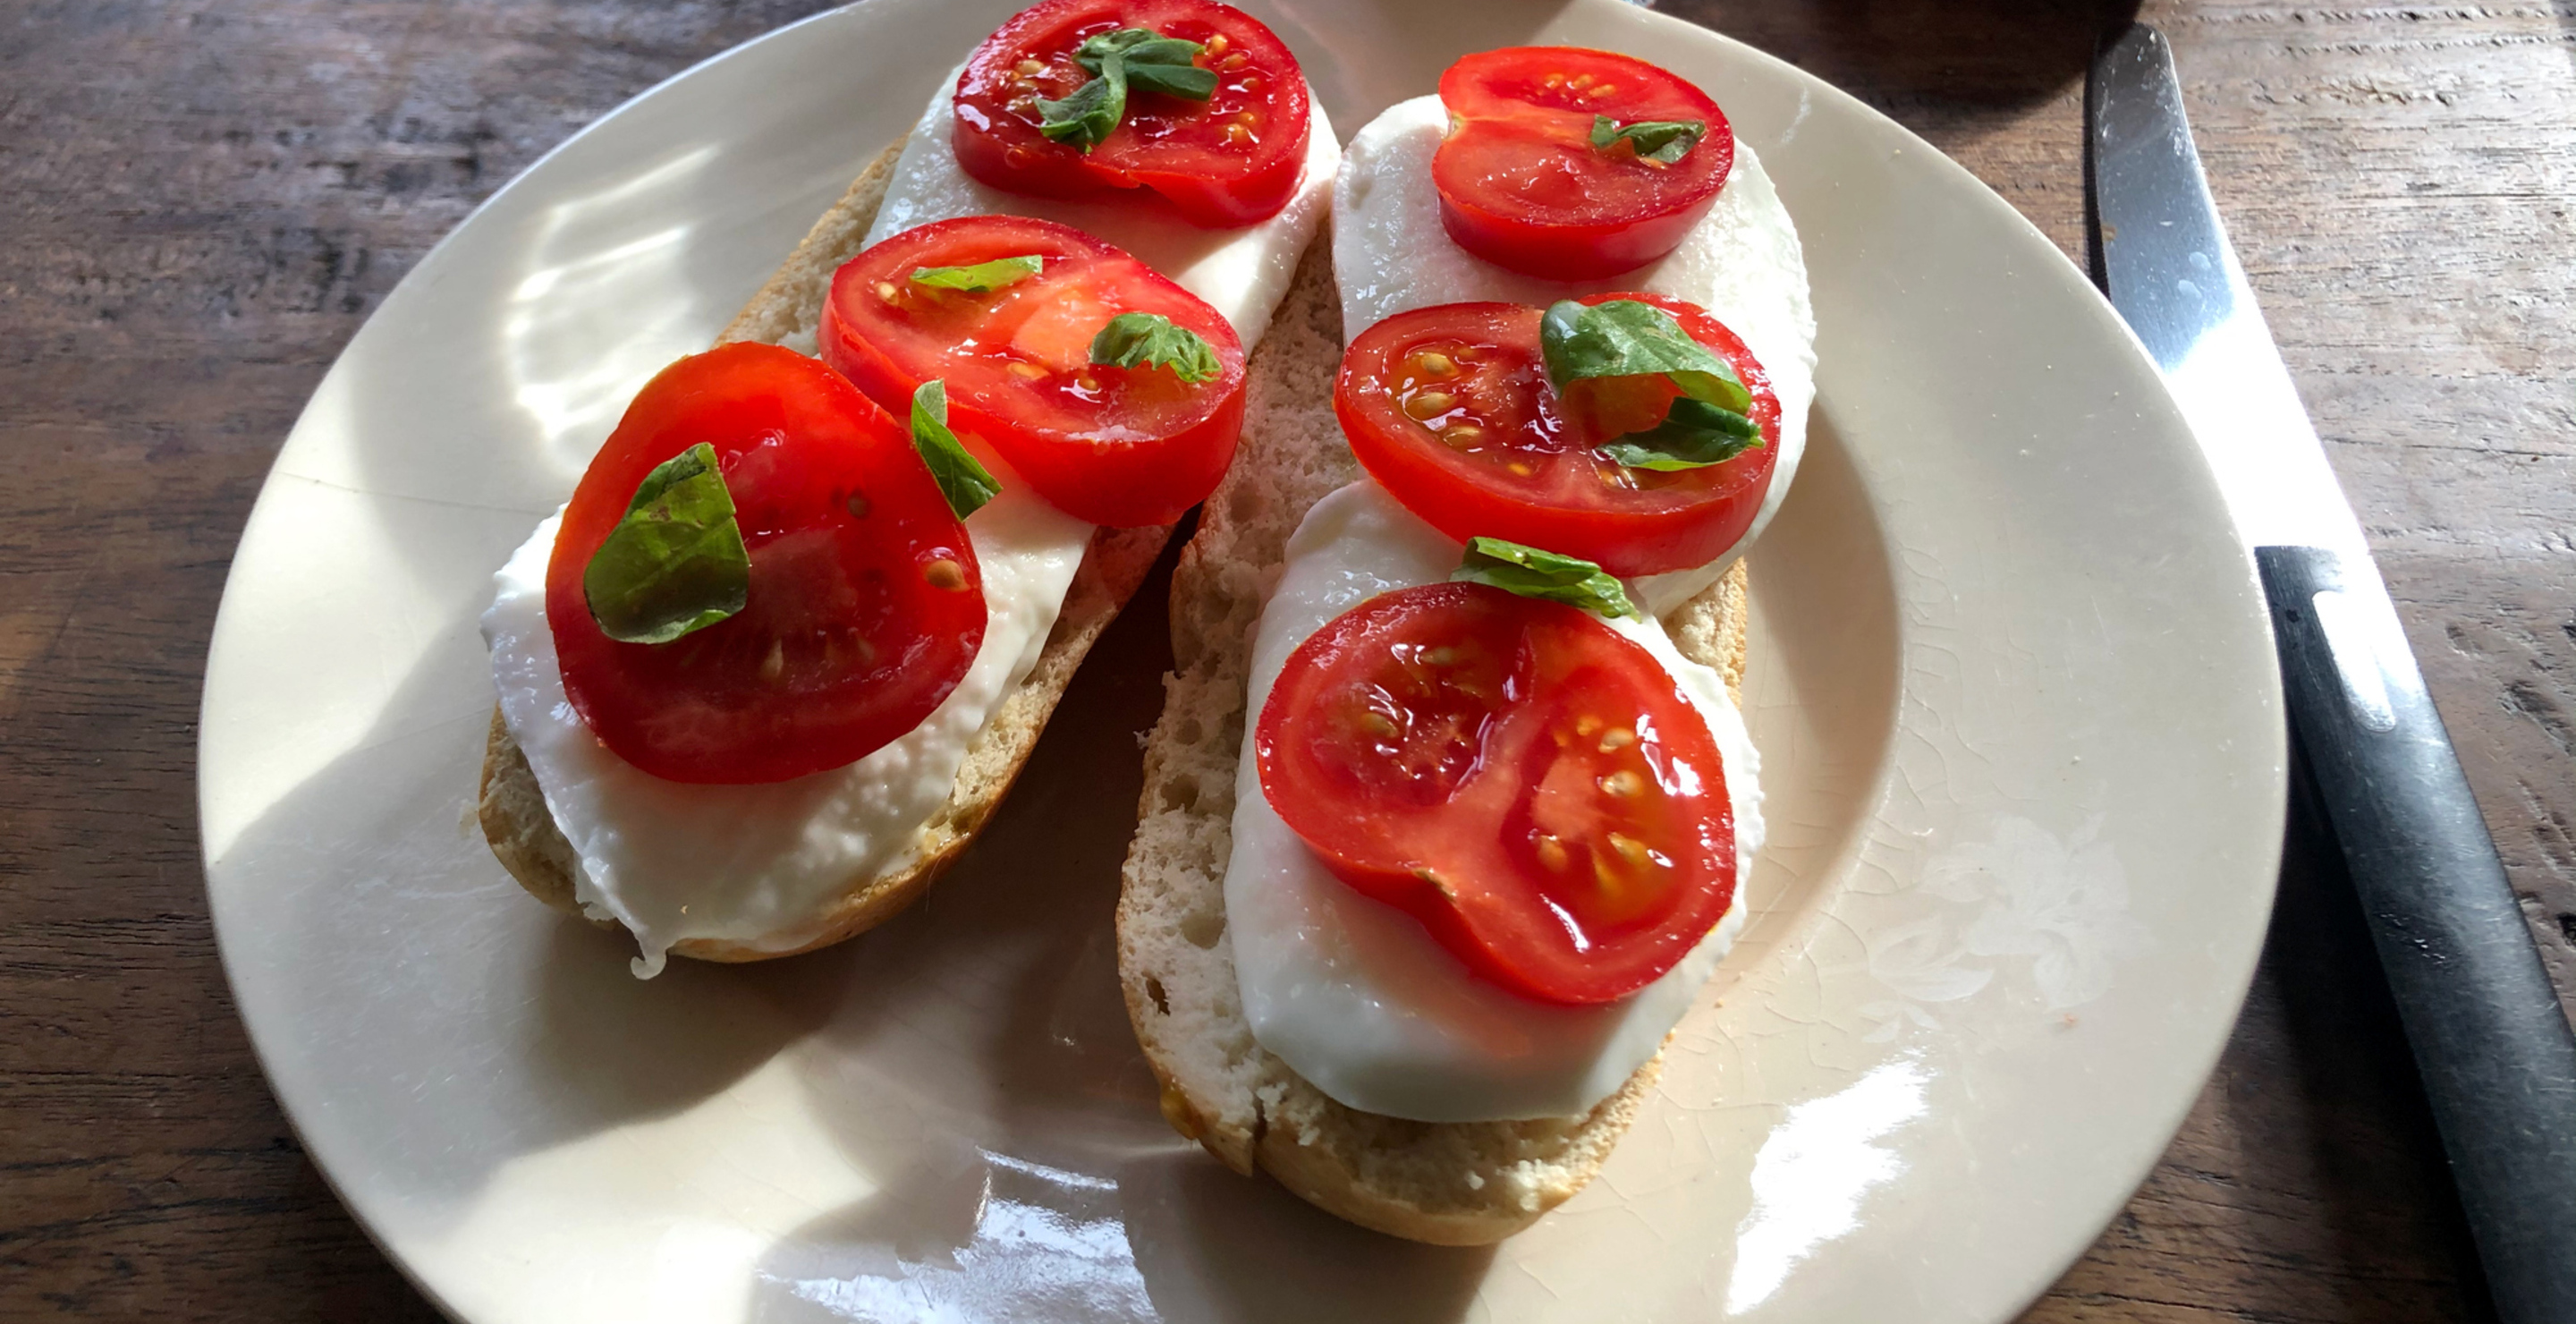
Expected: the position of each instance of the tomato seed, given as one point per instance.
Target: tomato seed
(1028, 69)
(1463, 435)
(1629, 848)
(1236, 135)
(944, 574)
(1617, 737)
(1429, 404)
(776, 662)
(1251, 83)
(1605, 89)
(887, 292)
(1216, 45)
(1624, 784)
(1028, 371)
(1432, 363)
(1552, 81)
(1231, 62)
(1551, 853)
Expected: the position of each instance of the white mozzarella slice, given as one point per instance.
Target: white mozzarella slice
(759, 865)
(1355, 995)
(1741, 262)
(1243, 273)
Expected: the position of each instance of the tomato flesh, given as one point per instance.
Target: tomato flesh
(1529, 784)
(1230, 160)
(866, 603)
(1522, 186)
(1449, 408)
(1118, 446)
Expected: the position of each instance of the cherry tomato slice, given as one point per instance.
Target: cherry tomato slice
(866, 603)
(1118, 446)
(1449, 408)
(1522, 186)
(1529, 784)
(1230, 160)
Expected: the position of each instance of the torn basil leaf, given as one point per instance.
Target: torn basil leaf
(1129, 57)
(1625, 338)
(1694, 435)
(1709, 424)
(676, 562)
(1154, 63)
(961, 477)
(1663, 141)
(981, 278)
(1133, 340)
(1534, 573)
(1087, 118)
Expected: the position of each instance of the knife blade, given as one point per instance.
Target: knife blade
(2496, 1054)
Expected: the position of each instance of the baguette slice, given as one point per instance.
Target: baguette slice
(1448, 1183)
(787, 311)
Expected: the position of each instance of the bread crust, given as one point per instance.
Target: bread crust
(788, 310)
(1446, 1183)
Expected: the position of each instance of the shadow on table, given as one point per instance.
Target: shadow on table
(1924, 60)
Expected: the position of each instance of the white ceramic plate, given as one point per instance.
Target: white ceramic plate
(2016, 701)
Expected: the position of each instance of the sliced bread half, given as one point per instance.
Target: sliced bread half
(787, 311)
(1449, 1183)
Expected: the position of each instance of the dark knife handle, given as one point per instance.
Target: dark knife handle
(2496, 1054)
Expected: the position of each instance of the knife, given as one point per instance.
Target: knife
(2497, 1057)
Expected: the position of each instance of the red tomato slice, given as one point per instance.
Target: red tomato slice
(1530, 785)
(1229, 160)
(866, 603)
(1449, 408)
(1522, 186)
(1118, 446)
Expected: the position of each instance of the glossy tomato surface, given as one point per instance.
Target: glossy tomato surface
(1449, 408)
(1229, 160)
(1118, 446)
(1528, 783)
(866, 604)
(1522, 186)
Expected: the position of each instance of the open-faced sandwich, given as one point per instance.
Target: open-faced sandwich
(804, 616)
(1448, 813)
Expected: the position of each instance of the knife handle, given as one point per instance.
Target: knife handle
(2497, 1056)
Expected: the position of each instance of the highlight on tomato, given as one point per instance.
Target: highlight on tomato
(1452, 409)
(1116, 394)
(1575, 164)
(757, 577)
(1528, 783)
(1195, 101)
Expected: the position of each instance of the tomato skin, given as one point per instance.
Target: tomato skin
(1521, 185)
(1190, 153)
(1530, 785)
(1136, 447)
(866, 604)
(1573, 501)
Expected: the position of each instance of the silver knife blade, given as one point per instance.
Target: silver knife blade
(2175, 278)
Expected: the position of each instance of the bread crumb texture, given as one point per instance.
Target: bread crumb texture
(1450, 1183)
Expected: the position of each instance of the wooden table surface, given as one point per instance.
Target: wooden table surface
(200, 200)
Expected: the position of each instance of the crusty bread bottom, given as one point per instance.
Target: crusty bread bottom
(787, 311)
(1449, 1183)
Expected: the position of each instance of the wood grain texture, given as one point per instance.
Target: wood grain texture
(202, 199)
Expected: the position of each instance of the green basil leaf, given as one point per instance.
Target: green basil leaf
(1087, 118)
(981, 278)
(1535, 573)
(1154, 63)
(1662, 141)
(961, 477)
(1625, 338)
(1133, 340)
(676, 562)
(1694, 435)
